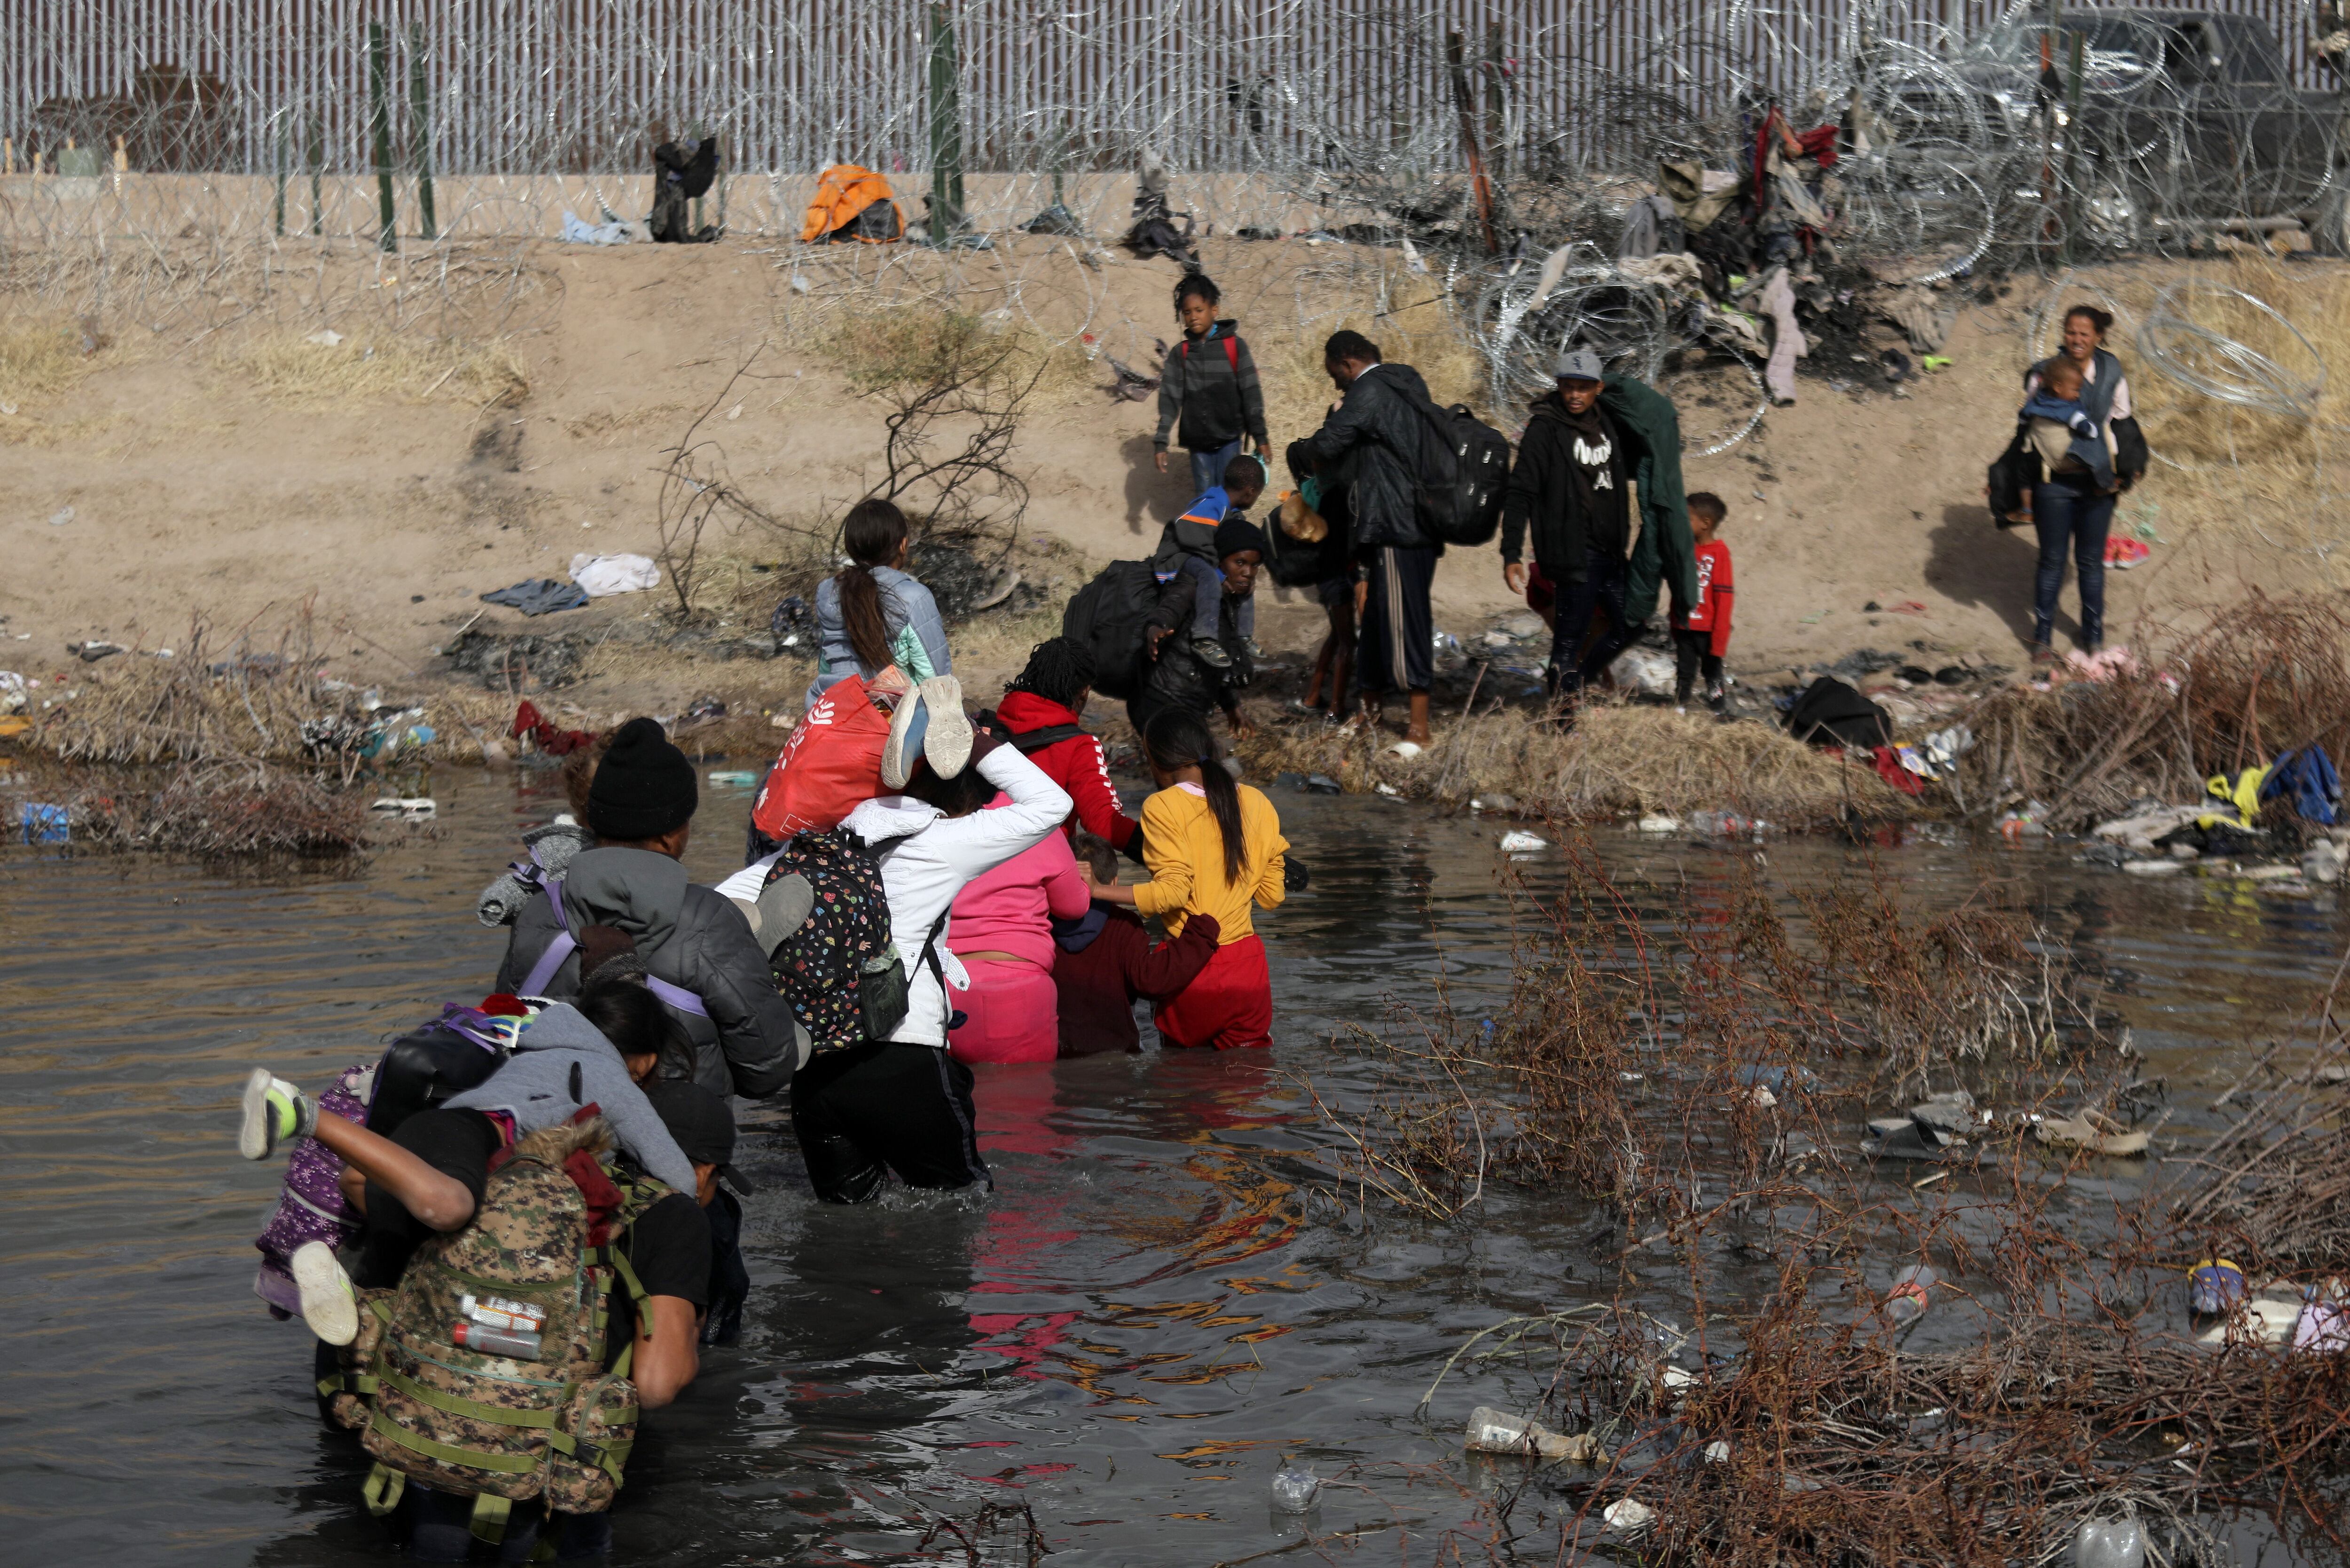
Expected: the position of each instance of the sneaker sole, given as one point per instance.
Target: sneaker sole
(947, 746)
(327, 1304)
(253, 1138)
(904, 747)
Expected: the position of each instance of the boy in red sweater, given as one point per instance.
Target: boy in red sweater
(1702, 637)
(1039, 715)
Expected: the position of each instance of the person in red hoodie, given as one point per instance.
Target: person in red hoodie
(1702, 637)
(1039, 715)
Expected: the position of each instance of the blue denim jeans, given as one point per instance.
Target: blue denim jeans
(2068, 509)
(1208, 467)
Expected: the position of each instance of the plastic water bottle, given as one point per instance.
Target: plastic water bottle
(1295, 1489)
(1909, 1297)
(2110, 1543)
(1721, 824)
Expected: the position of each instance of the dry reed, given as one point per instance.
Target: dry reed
(289, 367)
(1617, 758)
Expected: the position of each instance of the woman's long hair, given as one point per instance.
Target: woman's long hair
(872, 534)
(1179, 740)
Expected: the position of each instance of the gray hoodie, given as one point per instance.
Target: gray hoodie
(560, 1063)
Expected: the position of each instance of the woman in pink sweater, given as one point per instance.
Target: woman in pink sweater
(1002, 930)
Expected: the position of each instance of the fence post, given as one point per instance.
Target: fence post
(318, 160)
(280, 177)
(420, 122)
(380, 131)
(946, 128)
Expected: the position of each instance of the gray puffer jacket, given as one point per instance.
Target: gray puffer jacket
(1374, 440)
(690, 937)
(561, 1064)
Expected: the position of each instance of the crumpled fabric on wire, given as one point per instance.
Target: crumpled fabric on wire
(1923, 315)
(554, 742)
(538, 596)
(1698, 194)
(1652, 228)
(1677, 271)
(577, 231)
(1788, 343)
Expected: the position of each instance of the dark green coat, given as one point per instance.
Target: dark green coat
(1664, 555)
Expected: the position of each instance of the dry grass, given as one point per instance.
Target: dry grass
(878, 348)
(1405, 313)
(39, 359)
(287, 368)
(2262, 675)
(1617, 759)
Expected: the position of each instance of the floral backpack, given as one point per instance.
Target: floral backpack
(840, 970)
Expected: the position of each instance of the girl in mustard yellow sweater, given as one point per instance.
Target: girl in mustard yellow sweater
(1214, 847)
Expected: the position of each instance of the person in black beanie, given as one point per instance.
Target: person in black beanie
(698, 951)
(1178, 678)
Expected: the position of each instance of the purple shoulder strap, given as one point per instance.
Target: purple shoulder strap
(561, 948)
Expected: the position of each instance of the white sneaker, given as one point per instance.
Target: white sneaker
(328, 1304)
(946, 744)
(908, 723)
(272, 1111)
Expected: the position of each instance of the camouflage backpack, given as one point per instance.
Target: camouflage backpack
(485, 1371)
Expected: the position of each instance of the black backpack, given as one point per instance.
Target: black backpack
(1457, 484)
(1831, 713)
(1110, 615)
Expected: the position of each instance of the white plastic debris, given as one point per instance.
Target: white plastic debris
(1644, 670)
(2110, 1543)
(1296, 1491)
(406, 808)
(1627, 1514)
(1659, 823)
(1388, 789)
(60, 517)
(1517, 841)
(324, 337)
(1406, 750)
(1492, 1431)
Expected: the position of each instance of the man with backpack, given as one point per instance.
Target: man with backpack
(1380, 432)
(699, 954)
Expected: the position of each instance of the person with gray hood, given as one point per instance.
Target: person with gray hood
(699, 955)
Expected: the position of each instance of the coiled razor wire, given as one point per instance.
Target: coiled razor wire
(2224, 368)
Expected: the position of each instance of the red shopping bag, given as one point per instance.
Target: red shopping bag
(830, 764)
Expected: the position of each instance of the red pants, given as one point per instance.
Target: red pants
(1011, 1013)
(1228, 1008)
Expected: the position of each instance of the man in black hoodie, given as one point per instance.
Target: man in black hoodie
(1569, 483)
(1371, 442)
(698, 951)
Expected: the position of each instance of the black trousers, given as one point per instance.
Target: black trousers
(905, 1107)
(1397, 652)
(1693, 652)
(1601, 590)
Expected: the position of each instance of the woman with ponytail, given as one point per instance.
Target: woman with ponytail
(870, 615)
(1214, 849)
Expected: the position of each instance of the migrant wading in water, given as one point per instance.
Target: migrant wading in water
(698, 953)
(1214, 847)
(1041, 714)
(1194, 546)
(1175, 679)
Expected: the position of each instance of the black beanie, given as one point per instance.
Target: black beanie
(1234, 535)
(644, 787)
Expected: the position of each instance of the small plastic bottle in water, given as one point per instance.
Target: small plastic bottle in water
(1295, 1489)
(2110, 1543)
(1720, 824)
(1909, 1296)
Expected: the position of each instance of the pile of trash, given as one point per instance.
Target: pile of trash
(2279, 824)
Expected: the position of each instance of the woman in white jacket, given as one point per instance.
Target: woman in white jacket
(904, 1103)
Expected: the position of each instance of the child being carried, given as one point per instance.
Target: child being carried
(1188, 548)
(2058, 429)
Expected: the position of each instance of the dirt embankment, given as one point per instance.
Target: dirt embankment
(386, 480)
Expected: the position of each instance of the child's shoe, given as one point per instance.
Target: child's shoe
(909, 724)
(946, 745)
(273, 1112)
(329, 1305)
(1211, 653)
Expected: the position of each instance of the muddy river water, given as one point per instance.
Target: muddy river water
(1126, 1336)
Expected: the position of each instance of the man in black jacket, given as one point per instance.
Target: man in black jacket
(1374, 438)
(697, 950)
(1569, 484)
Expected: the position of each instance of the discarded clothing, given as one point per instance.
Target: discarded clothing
(852, 204)
(2305, 777)
(1675, 270)
(1889, 765)
(529, 721)
(1920, 312)
(603, 575)
(1831, 713)
(1698, 194)
(539, 595)
(1652, 227)
(577, 231)
(1788, 343)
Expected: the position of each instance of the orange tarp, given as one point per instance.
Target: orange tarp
(843, 192)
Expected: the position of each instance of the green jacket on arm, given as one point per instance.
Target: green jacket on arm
(1664, 555)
